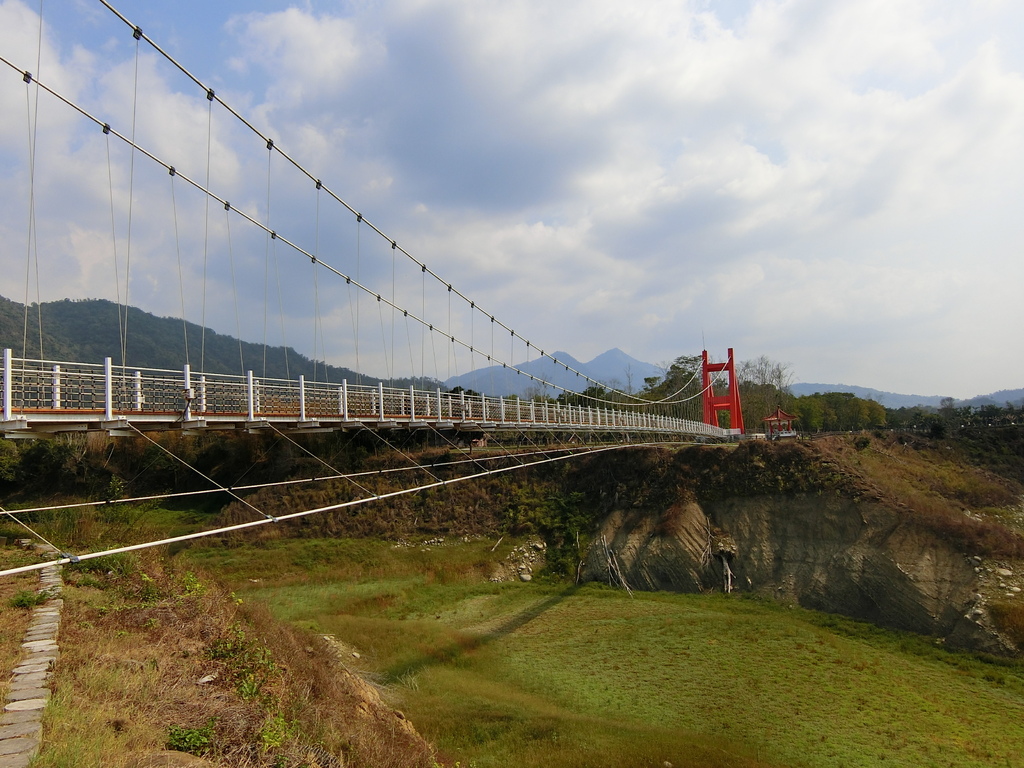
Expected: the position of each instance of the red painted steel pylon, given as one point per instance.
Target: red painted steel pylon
(714, 403)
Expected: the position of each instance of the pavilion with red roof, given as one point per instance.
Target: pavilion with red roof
(779, 425)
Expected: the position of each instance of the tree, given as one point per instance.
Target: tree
(764, 387)
(681, 379)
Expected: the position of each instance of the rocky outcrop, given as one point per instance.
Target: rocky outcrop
(825, 552)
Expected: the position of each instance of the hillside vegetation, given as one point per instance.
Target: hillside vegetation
(89, 330)
(423, 597)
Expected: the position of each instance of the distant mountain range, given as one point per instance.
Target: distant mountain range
(895, 400)
(88, 330)
(613, 368)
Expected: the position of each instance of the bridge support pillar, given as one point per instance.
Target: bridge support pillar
(108, 389)
(250, 396)
(8, 384)
(55, 384)
(188, 393)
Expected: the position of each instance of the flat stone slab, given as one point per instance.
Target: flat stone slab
(31, 669)
(30, 715)
(30, 728)
(43, 657)
(43, 633)
(31, 680)
(27, 704)
(45, 625)
(23, 744)
(27, 694)
(20, 760)
(39, 645)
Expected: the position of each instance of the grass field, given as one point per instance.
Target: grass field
(552, 675)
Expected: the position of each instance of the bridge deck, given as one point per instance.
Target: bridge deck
(40, 397)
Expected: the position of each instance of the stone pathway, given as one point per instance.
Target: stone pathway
(21, 724)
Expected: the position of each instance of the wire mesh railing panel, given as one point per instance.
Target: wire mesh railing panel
(362, 403)
(324, 401)
(149, 392)
(221, 394)
(277, 398)
(31, 389)
(396, 402)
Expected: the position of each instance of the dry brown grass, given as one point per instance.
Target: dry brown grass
(13, 621)
(938, 487)
(1009, 620)
(135, 650)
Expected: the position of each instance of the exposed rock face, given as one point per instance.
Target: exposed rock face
(824, 551)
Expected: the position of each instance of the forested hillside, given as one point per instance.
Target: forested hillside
(89, 330)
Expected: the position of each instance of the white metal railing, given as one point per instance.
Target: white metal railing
(41, 392)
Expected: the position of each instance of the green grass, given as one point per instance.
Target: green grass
(551, 675)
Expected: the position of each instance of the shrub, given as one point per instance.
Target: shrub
(120, 564)
(195, 741)
(26, 598)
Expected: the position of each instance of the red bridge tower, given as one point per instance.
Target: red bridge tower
(714, 403)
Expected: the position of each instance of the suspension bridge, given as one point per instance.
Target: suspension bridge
(42, 397)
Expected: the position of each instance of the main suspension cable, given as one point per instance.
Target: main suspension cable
(211, 95)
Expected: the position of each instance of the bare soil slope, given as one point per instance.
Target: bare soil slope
(895, 532)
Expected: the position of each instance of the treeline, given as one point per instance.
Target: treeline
(949, 418)
(765, 386)
(837, 412)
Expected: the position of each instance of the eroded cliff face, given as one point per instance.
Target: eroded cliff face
(832, 549)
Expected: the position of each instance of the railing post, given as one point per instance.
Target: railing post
(108, 389)
(462, 405)
(137, 399)
(189, 393)
(202, 393)
(250, 395)
(501, 401)
(302, 397)
(412, 403)
(8, 384)
(343, 397)
(55, 399)
(439, 404)
(380, 395)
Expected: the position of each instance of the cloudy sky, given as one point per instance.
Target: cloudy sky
(836, 185)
